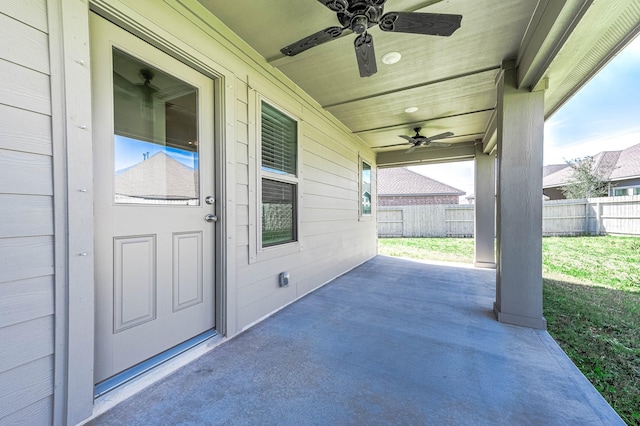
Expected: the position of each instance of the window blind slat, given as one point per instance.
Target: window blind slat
(279, 140)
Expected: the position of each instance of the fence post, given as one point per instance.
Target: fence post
(598, 218)
(587, 217)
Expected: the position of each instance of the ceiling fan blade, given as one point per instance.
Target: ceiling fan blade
(440, 136)
(409, 138)
(365, 55)
(420, 23)
(312, 41)
(413, 148)
(395, 144)
(438, 144)
(335, 5)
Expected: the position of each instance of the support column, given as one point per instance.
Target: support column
(519, 203)
(485, 211)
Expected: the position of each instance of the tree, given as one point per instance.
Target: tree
(585, 181)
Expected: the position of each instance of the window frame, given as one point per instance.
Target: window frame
(624, 188)
(258, 252)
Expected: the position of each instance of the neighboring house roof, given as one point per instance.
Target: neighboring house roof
(552, 168)
(159, 176)
(610, 165)
(628, 165)
(404, 182)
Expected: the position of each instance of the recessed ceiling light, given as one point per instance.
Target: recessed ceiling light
(391, 58)
(411, 109)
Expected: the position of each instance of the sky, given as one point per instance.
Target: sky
(603, 116)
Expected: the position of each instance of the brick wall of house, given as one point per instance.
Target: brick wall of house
(391, 201)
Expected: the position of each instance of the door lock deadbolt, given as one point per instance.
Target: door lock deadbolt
(209, 200)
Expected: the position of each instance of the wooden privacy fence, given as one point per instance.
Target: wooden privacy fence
(593, 216)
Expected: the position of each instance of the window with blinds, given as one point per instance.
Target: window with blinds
(279, 141)
(279, 157)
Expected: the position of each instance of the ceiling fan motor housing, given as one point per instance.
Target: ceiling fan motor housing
(360, 15)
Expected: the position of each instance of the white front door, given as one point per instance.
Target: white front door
(153, 184)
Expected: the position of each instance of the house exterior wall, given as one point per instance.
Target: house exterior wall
(26, 216)
(632, 186)
(393, 201)
(554, 193)
(332, 239)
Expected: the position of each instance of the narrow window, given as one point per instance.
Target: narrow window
(279, 175)
(621, 192)
(636, 191)
(365, 208)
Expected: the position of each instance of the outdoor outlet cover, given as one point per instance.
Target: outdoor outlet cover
(284, 279)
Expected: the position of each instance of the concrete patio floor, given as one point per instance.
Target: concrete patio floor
(392, 342)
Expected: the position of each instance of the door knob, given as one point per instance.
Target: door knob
(211, 218)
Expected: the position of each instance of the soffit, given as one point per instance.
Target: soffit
(451, 80)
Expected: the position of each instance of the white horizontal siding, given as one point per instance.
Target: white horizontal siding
(33, 51)
(24, 88)
(25, 385)
(24, 131)
(333, 239)
(38, 413)
(30, 12)
(25, 173)
(25, 342)
(24, 300)
(26, 216)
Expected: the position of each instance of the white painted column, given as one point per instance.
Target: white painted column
(485, 209)
(519, 203)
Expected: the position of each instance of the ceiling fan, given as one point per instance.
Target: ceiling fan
(419, 140)
(359, 15)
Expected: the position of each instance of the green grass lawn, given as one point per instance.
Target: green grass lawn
(591, 302)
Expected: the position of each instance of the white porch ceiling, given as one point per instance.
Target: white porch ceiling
(558, 44)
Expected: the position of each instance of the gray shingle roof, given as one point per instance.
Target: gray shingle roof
(402, 181)
(611, 165)
(552, 168)
(160, 176)
(628, 164)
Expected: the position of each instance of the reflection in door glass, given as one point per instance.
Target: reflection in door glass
(155, 135)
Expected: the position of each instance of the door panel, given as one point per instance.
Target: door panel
(153, 166)
(134, 281)
(187, 268)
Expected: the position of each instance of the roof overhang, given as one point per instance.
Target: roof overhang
(557, 46)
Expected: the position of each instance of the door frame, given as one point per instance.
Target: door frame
(71, 77)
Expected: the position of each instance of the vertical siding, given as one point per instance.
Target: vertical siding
(26, 216)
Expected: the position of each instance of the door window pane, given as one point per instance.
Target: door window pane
(155, 135)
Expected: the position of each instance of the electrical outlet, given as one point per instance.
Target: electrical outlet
(284, 279)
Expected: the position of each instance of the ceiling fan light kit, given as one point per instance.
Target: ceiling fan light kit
(360, 15)
(391, 58)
